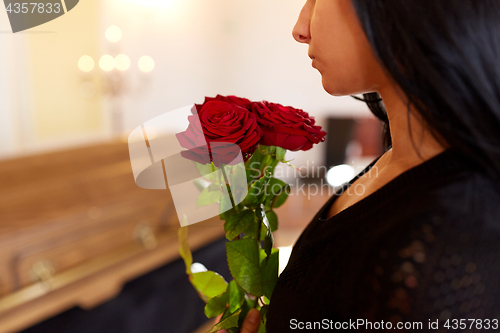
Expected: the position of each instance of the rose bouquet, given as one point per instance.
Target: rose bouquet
(259, 133)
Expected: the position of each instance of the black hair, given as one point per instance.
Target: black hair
(377, 107)
(444, 55)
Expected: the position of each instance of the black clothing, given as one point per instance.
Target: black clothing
(426, 246)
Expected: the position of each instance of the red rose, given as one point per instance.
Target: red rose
(243, 102)
(217, 124)
(287, 127)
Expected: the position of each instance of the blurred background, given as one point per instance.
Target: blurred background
(82, 247)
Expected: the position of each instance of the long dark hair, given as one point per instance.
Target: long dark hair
(444, 55)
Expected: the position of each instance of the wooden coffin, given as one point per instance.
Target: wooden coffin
(74, 227)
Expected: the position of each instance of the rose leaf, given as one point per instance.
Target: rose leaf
(236, 296)
(231, 321)
(270, 272)
(209, 283)
(272, 218)
(217, 304)
(275, 188)
(268, 242)
(238, 223)
(244, 264)
(280, 154)
(280, 200)
(209, 196)
(257, 191)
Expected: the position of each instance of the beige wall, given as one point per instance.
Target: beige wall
(59, 110)
(201, 48)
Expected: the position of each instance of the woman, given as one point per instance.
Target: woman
(416, 245)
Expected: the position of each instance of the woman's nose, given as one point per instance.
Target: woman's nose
(301, 32)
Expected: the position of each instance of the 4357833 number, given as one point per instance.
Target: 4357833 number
(471, 324)
(34, 7)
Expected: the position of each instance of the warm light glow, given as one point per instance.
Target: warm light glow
(113, 34)
(146, 64)
(107, 63)
(339, 175)
(153, 3)
(197, 267)
(283, 257)
(122, 62)
(86, 63)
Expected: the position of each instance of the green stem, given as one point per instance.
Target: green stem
(260, 151)
(228, 187)
(259, 228)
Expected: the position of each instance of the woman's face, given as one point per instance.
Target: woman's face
(338, 47)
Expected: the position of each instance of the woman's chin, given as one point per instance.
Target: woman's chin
(339, 89)
(334, 89)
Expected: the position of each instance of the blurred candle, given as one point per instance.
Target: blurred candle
(146, 64)
(122, 62)
(107, 63)
(86, 63)
(113, 34)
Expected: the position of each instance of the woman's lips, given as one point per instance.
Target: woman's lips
(313, 61)
(312, 58)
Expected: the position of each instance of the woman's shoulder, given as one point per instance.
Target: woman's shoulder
(424, 247)
(438, 264)
(468, 198)
(447, 187)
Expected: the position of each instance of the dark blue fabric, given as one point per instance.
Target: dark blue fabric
(160, 301)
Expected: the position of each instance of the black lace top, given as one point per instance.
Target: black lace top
(424, 248)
